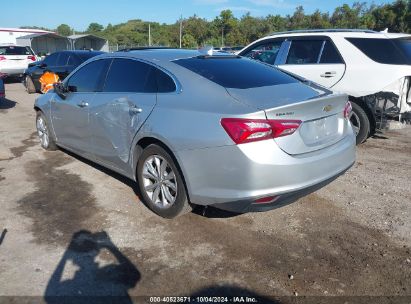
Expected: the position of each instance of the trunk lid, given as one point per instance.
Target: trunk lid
(321, 114)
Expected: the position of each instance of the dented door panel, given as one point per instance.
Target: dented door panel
(115, 120)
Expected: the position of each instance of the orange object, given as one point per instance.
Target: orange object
(47, 80)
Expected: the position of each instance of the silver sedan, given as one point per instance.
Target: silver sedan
(198, 129)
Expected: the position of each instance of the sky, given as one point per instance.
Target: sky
(80, 13)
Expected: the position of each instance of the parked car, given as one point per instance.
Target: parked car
(193, 129)
(15, 59)
(373, 68)
(2, 88)
(61, 63)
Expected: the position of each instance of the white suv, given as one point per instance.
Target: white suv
(373, 68)
(14, 59)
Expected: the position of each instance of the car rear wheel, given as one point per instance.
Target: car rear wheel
(360, 123)
(43, 131)
(30, 88)
(161, 185)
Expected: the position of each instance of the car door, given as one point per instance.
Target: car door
(117, 113)
(70, 115)
(314, 58)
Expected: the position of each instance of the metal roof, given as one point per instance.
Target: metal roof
(50, 34)
(79, 36)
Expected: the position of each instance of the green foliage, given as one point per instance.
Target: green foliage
(64, 30)
(188, 41)
(228, 30)
(94, 28)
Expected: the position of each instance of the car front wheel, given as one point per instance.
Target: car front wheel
(43, 131)
(161, 185)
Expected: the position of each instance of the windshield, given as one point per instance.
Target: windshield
(15, 50)
(234, 72)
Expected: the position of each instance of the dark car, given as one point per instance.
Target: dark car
(62, 63)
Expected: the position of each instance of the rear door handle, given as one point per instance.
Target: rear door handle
(83, 104)
(135, 110)
(328, 74)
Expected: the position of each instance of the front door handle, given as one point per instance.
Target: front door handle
(135, 110)
(83, 104)
(328, 74)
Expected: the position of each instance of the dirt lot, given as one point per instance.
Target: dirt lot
(351, 238)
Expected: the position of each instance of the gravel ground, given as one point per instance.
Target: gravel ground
(70, 227)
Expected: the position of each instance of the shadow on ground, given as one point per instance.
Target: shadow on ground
(91, 283)
(6, 104)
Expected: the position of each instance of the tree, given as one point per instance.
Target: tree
(188, 41)
(64, 30)
(94, 28)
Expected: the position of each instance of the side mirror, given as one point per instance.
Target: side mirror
(61, 90)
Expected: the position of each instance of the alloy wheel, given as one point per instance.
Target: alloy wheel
(42, 132)
(160, 182)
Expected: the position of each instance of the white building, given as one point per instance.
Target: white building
(9, 35)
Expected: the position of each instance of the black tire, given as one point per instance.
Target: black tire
(181, 204)
(360, 122)
(30, 88)
(43, 130)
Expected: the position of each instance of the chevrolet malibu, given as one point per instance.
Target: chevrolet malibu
(198, 129)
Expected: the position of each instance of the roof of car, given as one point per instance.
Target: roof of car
(340, 32)
(157, 54)
(80, 52)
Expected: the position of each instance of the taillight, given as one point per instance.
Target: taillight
(2, 58)
(347, 109)
(31, 57)
(248, 130)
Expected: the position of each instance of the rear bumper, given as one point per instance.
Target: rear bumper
(12, 71)
(240, 174)
(283, 200)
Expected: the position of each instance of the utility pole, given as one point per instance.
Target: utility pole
(149, 34)
(222, 37)
(181, 29)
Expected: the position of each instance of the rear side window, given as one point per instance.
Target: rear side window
(88, 78)
(62, 60)
(330, 54)
(126, 75)
(266, 52)
(379, 50)
(51, 60)
(15, 50)
(73, 60)
(165, 83)
(405, 46)
(238, 73)
(304, 51)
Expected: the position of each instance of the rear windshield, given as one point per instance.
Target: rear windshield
(15, 50)
(234, 72)
(380, 50)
